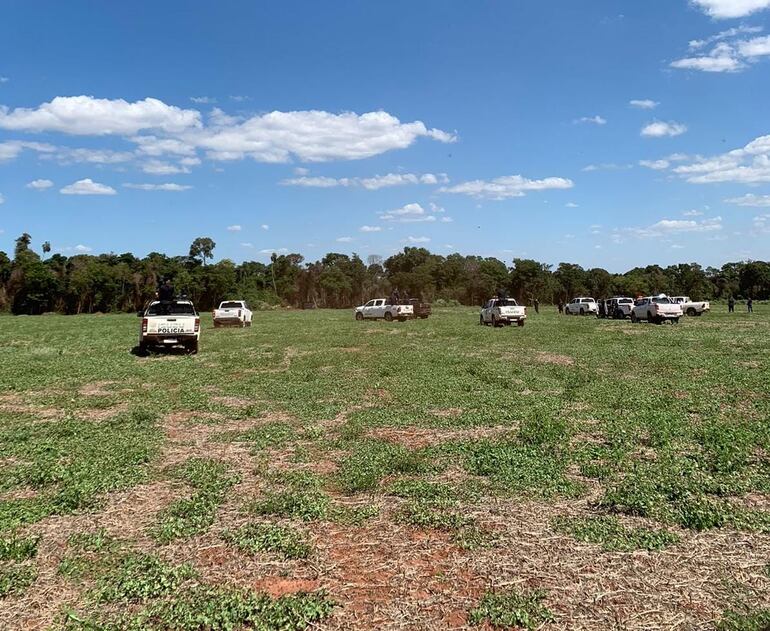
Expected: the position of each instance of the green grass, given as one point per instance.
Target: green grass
(443, 424)
(510, 608)
(262, 537)
(194, 515)
(15, 578)
(608, 532)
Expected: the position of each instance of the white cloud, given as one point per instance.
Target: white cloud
(658, 129)
(2, 199)
(657, 165)
(86, 115)
(247, 245)
(176, 188)
(264, 226)
(4, 79)
(301, 171)
(692, 213)
(757, 47)
(723, 9)
(344, 239)
(748, 165)
(234, 228)
(370, 183)
(761, 223)
(66, 155)
(410, 213)
(312, 136)
(87, 187)
(274, 251)
(158, 167)
(507, 186)
(418, 239)
(596, 120)
(446, 220)
(731, 55)
(750, 200)
(203, 100)
(156, 146)
(12, 148)
(370, 228)
(666, 227)
(82, 249)
(571, 205)
(40, 185)
(606, 166)
(644, 104)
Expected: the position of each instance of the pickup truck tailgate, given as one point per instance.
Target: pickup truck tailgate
(171, 325)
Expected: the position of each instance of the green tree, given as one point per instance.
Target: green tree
(202, 248)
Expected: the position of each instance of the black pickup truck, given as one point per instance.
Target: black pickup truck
(421, 309)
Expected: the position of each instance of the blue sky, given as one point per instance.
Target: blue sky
(607, 133)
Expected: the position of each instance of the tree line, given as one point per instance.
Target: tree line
(84, 283)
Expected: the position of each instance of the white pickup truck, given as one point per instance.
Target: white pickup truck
(691, 308)
(656, 309)
(232, 313)
(166, 324)
(380, 308)
(499, 312)
(581, 306)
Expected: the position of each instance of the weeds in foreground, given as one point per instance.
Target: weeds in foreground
(261, 537)
(607, 531)
(510, 608)
(194, 515)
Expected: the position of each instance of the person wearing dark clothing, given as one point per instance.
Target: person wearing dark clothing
(730, 304)
(405, 298)
(394, 297)
(166, 291)
(501, 295)
(560, 306)
(536, 304)
(750, 305)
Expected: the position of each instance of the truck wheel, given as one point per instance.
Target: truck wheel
(359, 316)
(494, 321)
(675, 321)
(423, 317)
(388, 316)
(192, 348)
(402, 319)
(248, 323)
(520, 323)
(634, 319)
(143, 352)
(691, 311)
(582, 311)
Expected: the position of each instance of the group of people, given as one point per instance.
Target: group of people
(731, 305)
(397, 298)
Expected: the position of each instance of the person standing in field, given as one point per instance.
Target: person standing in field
(536, 304)
(750, 305)
(560, 306)
(730, 304)
(166, 291)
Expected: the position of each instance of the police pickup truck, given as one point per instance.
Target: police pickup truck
(502, 312)
(168, 324)
(232, 313)
(381, 308)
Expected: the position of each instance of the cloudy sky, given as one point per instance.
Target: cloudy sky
(609, 133)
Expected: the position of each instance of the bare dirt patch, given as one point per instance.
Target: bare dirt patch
(554, 358)
(415, 437)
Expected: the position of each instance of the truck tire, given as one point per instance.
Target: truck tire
(675, 321)
(691, 311)
(248, 323)
(634, 319)
(582, 311)
(192, 348)
(423, 317)
(388, 316)
(359, 316)
(142, 351)
(494, 321)
(520, 323)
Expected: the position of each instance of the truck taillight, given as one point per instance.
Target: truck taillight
(144, 325)
(197, 324)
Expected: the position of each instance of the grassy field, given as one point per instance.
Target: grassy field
(317, 471)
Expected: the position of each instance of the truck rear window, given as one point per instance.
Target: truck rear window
(507, 303)
(171, 308)
(230, 305)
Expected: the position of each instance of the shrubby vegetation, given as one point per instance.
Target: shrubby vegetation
(31, 284)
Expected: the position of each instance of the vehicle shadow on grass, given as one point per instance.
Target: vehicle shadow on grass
(138, 351)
